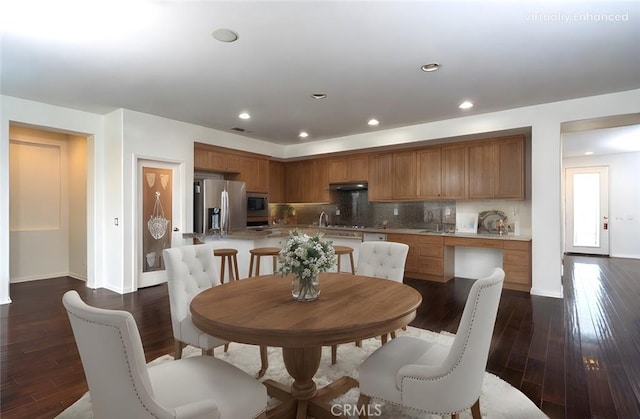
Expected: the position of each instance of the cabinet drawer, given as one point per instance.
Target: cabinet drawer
(517, 245)
(517, 274)
(473, 242)
(408, 239)
(431, 266)
(436, 251)
(430, 239)
(516, 257)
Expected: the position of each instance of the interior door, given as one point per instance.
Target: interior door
(159, 220)
(587, 214)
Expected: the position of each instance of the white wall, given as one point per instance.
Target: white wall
(149, 136)
(77, 207)
(624, 200)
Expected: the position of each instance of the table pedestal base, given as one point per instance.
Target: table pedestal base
(318, 406)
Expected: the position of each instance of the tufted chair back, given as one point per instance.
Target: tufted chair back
(382, 260)
(457, 381)
(190, 270)
(433, 378)
(113, 360)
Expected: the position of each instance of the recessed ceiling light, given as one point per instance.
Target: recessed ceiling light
(319, 95)
(465, 105)
(373, 122)
(588, 153)
(430, 67)
(303, 134)
(244, 115)
(225, 35)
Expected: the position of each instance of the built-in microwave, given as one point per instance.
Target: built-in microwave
(257, 205)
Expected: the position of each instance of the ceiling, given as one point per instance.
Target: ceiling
(160, 58)
(599, 142)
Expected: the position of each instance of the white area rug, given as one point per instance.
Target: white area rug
(498, 399)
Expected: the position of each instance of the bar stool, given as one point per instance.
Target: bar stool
(345, 250)
(257, 253)
(229, 256)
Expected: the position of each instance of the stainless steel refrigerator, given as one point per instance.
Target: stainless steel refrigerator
(219, 206)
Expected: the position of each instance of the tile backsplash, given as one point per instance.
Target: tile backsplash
(353, 209)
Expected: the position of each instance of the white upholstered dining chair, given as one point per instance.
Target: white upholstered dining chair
(432, 378)
(122, 385)
(379, 260)
(191, 270)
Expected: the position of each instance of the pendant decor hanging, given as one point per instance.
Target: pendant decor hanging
(157, 223)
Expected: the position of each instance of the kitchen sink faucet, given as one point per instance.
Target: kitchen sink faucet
(326, 220)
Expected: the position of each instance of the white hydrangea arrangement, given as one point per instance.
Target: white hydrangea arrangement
(306, 256)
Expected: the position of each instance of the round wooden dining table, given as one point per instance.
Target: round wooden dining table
(261, 311)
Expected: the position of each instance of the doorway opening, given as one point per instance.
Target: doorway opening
(587, 210)
(47, 204)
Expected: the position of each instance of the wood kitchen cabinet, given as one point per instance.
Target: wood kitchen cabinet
(516, 263)
(255, 173)
(411, 240)
(427, 258)
(216, 161)
(380, 177)
(496, 169)
(349, 169)
(509, 168)
(307, 181)
(277, 193)
(454, 172)
(404, 175)
(429, 173)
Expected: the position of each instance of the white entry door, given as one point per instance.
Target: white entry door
(159, 218)
(587, 210)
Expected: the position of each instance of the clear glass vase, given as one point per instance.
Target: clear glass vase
(305, 289)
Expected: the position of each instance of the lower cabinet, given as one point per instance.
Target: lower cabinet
(428, 258)
(516, 262)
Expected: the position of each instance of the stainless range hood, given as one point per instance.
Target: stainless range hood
(359, 186)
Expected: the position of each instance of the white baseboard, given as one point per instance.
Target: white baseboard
(47, 276)
(546, 293)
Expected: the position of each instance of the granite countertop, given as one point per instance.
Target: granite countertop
(418, 231)
(345, 232)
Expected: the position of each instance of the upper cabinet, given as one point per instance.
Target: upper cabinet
(250, 168)
(277, 182)
(307, 181)
(429, 173)
(404, 175)
(380, 179)
(496, 169)
(214, 160)
(454, 172)
(255, 173)
(442, 172)
(348, 168)
(483, 169)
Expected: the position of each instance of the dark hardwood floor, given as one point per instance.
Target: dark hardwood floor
(575, 358)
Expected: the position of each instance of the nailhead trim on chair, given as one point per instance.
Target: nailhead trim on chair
(464, 348)
(126, 358)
